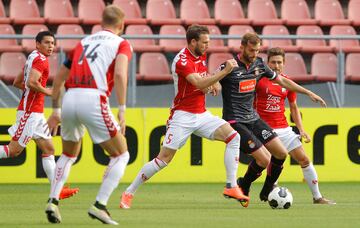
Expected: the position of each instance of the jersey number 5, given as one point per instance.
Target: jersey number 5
(92, 54)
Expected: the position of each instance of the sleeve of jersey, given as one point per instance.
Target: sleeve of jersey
(38, 64)
(184, 68)
(270, 74)
(291, 96)
(126, 49)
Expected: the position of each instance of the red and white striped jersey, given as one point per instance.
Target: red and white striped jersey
(93, 61)
(32, 101)
(188, 97)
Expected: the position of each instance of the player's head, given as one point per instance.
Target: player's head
(113, 19)
(197, 37)
(276, 59)
(250, 46)
(45, 42)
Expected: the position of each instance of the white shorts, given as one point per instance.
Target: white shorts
(87, 108)
(183, 124)
(288, 138)
(29, 125)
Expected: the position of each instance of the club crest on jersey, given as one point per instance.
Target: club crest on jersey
(204, 63)
(283, 90)
(257, 71)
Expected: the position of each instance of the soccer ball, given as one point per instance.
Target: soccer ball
(280, 198)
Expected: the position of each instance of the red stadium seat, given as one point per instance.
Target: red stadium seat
(229, 12)
(8, 45)
(96, 28)
(11, 64)
(142, 45)
(216, 59)
(54, 62)
(132, 11)
(285, 44)
(32, 29)
(263, 12)
(90, 12)
(172, 45)
(216, 45)
(25, 12)
(352, 67)
(59, 12)
(344, 45)
(195, 12)
(161, 12)
(324, 67)
(353, 12)
(154, 67)
(68, 44)
(311, 46)
(329, 12)
(3, 18)
(238, 30)
(295, 68)
(296, 12)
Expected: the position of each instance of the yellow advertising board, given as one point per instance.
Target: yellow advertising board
(334, 150)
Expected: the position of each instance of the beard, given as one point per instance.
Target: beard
(198, 52)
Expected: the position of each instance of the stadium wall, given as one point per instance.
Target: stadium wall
(334, 150)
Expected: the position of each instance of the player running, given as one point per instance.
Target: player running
(30, 120)
(189, 115)
(97, 64)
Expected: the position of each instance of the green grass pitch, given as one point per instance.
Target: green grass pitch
(183, 205)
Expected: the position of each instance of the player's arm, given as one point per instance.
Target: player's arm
(296, 116)
(34, 84)
(19, 81)
(290, 85)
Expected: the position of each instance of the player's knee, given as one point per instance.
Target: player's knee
(233, 140)
(263, 161)
(14, 152)
(304, 161)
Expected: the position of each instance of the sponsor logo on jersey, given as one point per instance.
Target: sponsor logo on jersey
(266, 134)
(247, 86)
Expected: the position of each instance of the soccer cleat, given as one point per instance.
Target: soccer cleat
(239, 182)
(323, 200)
(126, 199)
(53, 213)
(67, 192)
(236, 193)
(265, 191)
(101, 215)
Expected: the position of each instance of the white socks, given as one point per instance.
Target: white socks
(112, 176)
(62, 170)
(4, 151)
(49, 165)
(231, 158)
(147, 171)
(311, 178)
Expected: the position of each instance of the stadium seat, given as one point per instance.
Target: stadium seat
(11, 64)
(142, 45)
(324, 67)
(195, 12)
(238, 30)
(264, 56)
(329, 12)
(216, 45)
(59, 12)
(68, 44)
(285, 44)
(172, 45)
(353, 12)
(161, 12)
(311, 46)
(54, 62)
(352, 68)
(296, 12)
(31, 29)
(96, 28)
(25, 12)
(263, 12)
(3, 18)
(229, 12)
(215, 59)
(154, 67)
(344, 45)
(295, 68)
(90, 12)
(8, 45)
(132, 11)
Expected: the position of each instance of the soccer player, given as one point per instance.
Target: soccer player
(257, 138)
(189, 115)
(96, 65)
(30, 121)
(270, 105)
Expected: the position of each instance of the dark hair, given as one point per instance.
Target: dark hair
(251, 38)
(194, 32)
(276, 51)
(40, 36)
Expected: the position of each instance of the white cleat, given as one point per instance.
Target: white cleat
(101, 215)
(53, 213)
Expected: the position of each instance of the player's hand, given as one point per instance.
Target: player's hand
(216, 89)
(121, 117)
(53, 123)
(317, 99)
(207, 90)
(48, 92)
(230, 65)
(305, 136)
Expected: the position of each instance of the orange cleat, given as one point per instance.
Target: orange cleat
(126, 199)
(67, 192)
(236, 193)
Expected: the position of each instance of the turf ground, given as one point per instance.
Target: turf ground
(183, 205)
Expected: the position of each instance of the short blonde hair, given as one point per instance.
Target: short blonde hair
(112, 15)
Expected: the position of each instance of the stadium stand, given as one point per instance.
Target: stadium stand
(195, 12)
(311, 46)
(31, 29)
(59, 12)
(90, 11)
(95, 29)
(324, 67)
(285, 44)
(25, 12)
(8, 45)
(133, 11)
(154, 67)
(216, 45)
(263, 12)
(65, 29)
(172, 45)
(329, 12)
(54, 62)
(238, 30)
(11, 64)
(295, 68)
(352, 68)
(229, 12)
(353, 12)
(216, 59)
(3, 18)
(161, 12)
(142, 45)
(296, 12)
(344, 45)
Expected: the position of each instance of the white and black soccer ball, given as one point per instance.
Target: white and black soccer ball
(280, 198)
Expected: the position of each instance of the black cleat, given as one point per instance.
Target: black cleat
(239, 182)
(265, 191)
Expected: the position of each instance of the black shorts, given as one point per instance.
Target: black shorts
(253, 135)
